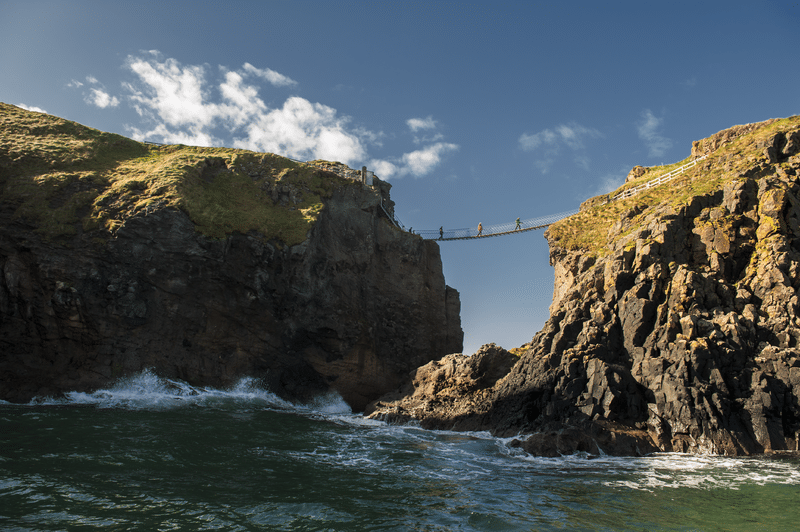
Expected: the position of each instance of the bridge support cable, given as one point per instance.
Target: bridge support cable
(542, 222)
(495, 230)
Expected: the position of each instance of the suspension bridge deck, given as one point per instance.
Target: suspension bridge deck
(533, 223)
(494, 230)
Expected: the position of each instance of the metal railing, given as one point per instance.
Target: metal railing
(392, 218)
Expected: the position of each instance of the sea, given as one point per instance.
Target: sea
(157, 454)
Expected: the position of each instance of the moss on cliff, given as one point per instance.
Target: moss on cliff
(745, 155)
(64, 178)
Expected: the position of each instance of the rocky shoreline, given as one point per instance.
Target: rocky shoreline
(682, 334)
(674, 326)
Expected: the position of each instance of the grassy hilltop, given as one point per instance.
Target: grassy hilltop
(67, 178)
(589, 229)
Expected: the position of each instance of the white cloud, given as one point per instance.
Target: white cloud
(421, 162)
(31, 108)
(609, 182)
(573, 133)
(383, 169)
(241, 101)
(369, 137)
(569, 135)
(544, 165)
(582, 161)
(190, 138)
(428, 139)
(101, 99)
(279, 80)
(421, 123)
(657, 145)
(171, 93)
(196, 105)
(417, 163)
(531, 142)
(304, 130)
(97, 96)
(178, 99)
(548, 143)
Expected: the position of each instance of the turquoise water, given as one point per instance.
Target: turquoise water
(152, 454)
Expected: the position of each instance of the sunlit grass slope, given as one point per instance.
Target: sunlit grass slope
(589, 229)
(63, 177)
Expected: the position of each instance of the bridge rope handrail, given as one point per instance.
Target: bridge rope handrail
(494, 230)
(544, 221)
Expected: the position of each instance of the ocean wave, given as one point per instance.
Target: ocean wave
(149, 391)
(361, 444)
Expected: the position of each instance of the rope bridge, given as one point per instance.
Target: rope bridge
(541, 222)
(510, 228)
(495, 230)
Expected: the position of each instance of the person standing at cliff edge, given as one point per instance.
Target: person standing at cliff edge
(480, 228)
(441, 232)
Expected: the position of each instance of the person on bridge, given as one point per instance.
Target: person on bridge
(518, 226)
(441, 232)
(480, 228)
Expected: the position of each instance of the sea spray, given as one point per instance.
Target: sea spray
(148, 391)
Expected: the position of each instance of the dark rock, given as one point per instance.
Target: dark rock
(354, 308)
(683, 336)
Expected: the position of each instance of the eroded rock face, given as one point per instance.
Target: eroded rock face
(684, 337)
(354, 308)
(441, 392)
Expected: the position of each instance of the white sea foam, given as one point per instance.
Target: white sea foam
(330, 403)
(464, 456)
(148, 391)
(661, 470)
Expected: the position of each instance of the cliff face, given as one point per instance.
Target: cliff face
(674, 327)
(352, 305)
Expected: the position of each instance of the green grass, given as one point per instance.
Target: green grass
(63, 177)
(588, 230)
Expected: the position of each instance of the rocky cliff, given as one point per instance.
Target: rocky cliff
(674, 324)
(204, 264)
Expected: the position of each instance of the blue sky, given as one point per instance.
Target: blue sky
(475, 112)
